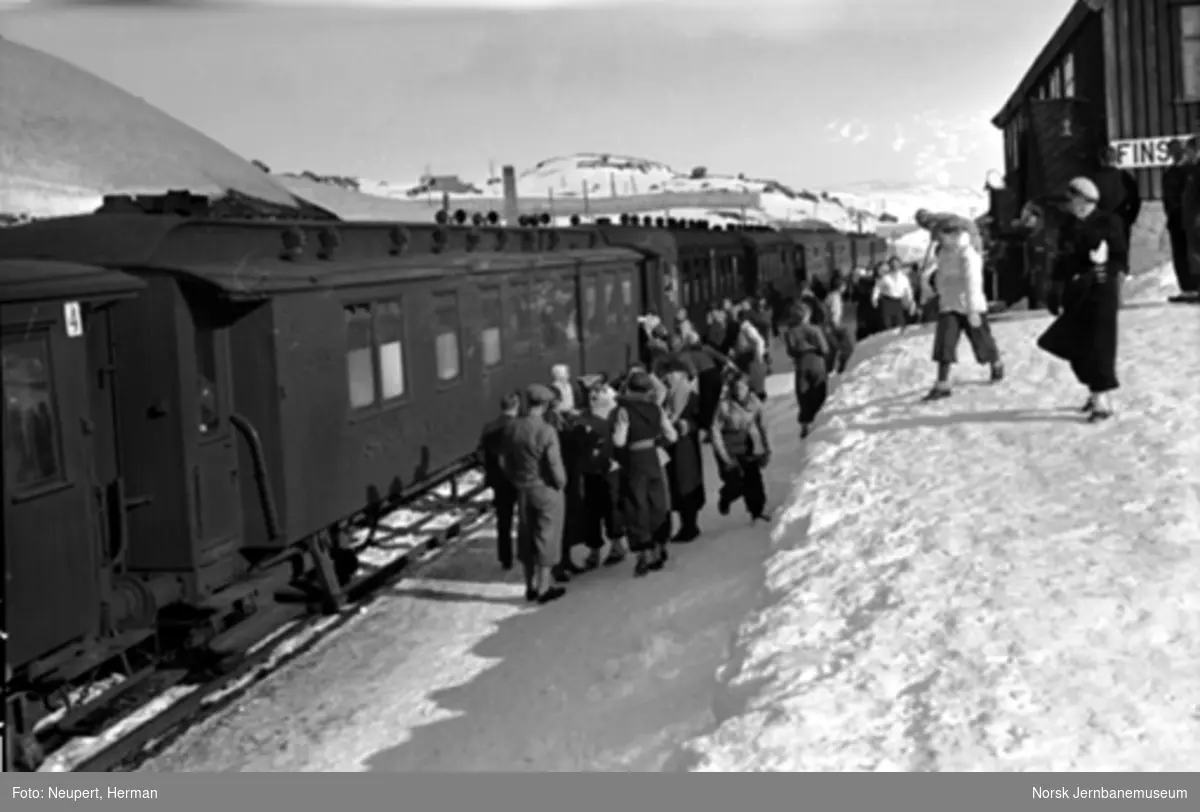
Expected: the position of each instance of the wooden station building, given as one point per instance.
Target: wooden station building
(1120, 72)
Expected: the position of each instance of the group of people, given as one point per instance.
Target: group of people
(595, 461)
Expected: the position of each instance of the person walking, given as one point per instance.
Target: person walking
(742, 448)
(1092, 257)
(842, 338)
(807, 347)
(962, 307)
(533, 464)
(504, 495)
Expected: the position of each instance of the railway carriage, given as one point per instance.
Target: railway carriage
(812, 245)
(841, 253)
(770, 261)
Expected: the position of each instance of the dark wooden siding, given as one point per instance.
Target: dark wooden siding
(1147, 100)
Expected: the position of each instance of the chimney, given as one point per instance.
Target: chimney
(511, 209)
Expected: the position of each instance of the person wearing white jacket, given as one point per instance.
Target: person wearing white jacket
(962, 307)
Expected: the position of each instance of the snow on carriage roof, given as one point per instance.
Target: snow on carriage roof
(990, 570)
(70, 138)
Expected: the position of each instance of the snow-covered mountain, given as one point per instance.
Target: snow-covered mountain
(563, 184)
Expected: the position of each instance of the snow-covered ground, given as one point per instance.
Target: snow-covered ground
(988, 583)
(984, 583)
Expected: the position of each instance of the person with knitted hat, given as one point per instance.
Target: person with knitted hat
(1092, 257)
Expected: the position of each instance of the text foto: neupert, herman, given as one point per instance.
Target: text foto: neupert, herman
(1103, 793)
(94, 794)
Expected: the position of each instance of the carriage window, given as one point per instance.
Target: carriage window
(446, 332)
(627, 294)
(611, 317)
(360, 371)
(208, 418)
(389, 338)
(520, 319)
(566, 310)
(1189, 50)
(490, 334)
(33, 439)
(596, 317)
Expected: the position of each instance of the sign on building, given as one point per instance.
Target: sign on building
(1143, 153)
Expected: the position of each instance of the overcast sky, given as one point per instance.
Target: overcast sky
(812, 92)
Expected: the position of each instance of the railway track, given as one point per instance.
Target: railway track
(147, 711)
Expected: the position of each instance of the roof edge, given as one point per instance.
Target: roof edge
(1079, 14)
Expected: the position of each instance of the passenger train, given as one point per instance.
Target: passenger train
(198, 411)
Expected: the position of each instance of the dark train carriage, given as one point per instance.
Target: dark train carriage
(841, 253)
(770, 261)
(813, 245)
(867, 249)
(688, 268)
(58, 481)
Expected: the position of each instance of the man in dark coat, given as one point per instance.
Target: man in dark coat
(504, 495)
(532, 462)
(1091, 258)
(600, 477)
(640, 429)
(1175, 178)
(1118, 189)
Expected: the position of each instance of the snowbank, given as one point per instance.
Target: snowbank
(987, 583)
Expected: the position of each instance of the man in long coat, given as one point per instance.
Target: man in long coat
(685, 468)
(533, 464)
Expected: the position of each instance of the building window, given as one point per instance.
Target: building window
(1068, 76)
(1189, 50)
(1056, 84)
(446, 332)
(375, 368)
(33, 438)
(490, 332)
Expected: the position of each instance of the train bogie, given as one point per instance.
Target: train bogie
(57, 557)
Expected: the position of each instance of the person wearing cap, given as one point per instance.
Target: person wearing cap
(533, 464)
(685, 466)
(641, 427)
(1092, 255)
(962, 307)
(1174, 182)
(504, 495)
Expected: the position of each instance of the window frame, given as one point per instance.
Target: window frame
(1068, 75)
(1181, 42)
(379, 403)
(502, 316)
(437, 293)
(64, 479)
(220, 402)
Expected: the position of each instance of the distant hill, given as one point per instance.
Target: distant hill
(599, 175)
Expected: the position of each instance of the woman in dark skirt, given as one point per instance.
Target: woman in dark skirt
(641, 429)
(1092, 259)
(685, 468)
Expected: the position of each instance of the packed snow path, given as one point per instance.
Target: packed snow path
(983, 583)
(986, 583)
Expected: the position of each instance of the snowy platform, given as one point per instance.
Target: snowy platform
(986, 583)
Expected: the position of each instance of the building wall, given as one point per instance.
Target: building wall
(1143, 48)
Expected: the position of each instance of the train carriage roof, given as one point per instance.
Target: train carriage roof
(70, 138)
(245, 260)
(23, 280)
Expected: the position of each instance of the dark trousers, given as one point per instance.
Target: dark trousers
(504, 501)
(892, 313)
(645, 504)
(1179, 257)
(812, 386)
(843, 347)
(744, 480)
(601, 518)
(951, 326)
